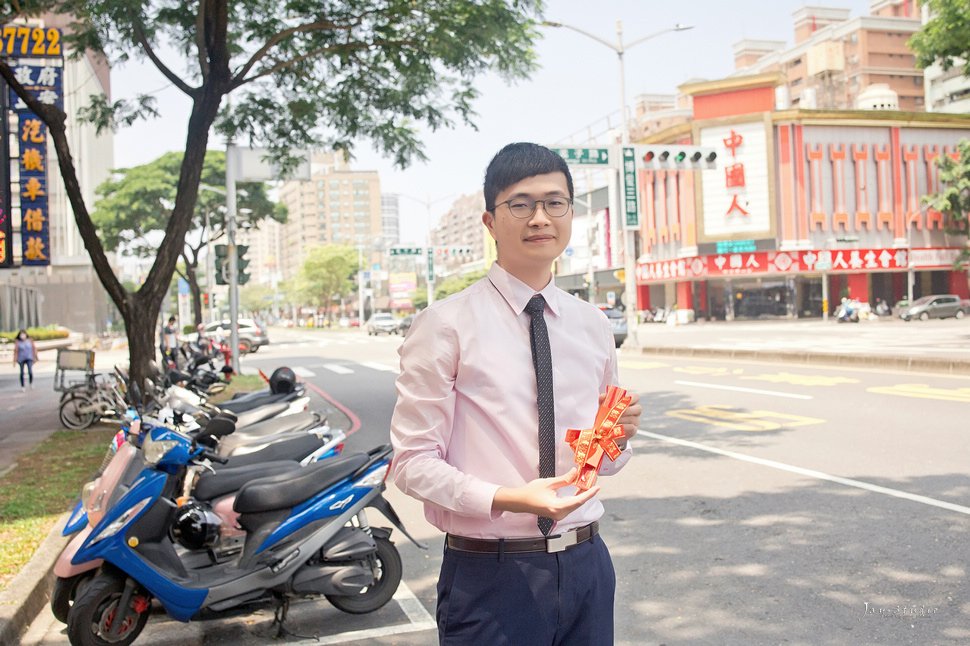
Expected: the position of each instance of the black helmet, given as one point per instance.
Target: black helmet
(283, 380)
(196, 526)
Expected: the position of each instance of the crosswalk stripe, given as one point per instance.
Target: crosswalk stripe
(338, 368)
(373, 365)
(304, 372)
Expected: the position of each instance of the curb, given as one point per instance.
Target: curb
(29, 591)
(915, 364)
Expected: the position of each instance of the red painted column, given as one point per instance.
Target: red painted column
(685, 295)
(643, 297)
(899, 287)
(958, 284)
(859, 287)
(702, 298)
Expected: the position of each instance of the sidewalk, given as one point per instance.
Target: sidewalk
(935, 345)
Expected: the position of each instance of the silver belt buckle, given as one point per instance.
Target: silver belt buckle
(561, 542)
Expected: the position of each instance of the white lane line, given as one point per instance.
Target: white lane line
(811, 473)
(304, 372)
(757, 391)
(373, 365)
(419, 617)
(339, 369)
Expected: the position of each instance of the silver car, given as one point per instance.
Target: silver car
(252, 335)
(936, 307)
(618, 323)
(382, 323)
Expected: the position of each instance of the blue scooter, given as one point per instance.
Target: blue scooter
(306, 534)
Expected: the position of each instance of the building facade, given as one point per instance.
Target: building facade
(338, 205)
(798, 197)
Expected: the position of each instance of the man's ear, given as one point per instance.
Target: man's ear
(488, 219)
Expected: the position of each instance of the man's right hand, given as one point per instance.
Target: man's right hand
(539, 497)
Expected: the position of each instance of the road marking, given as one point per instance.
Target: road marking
(304, 372)
(739, 389)
(642, 365)
(803, 380)
(811, 473)
(418, 617)
(923, 391)
(701, 370)
(373, 365)
(756, 420)
(339, 369)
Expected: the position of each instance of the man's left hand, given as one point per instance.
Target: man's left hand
(630, 419)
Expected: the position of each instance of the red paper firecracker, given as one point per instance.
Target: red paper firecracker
(591, 444)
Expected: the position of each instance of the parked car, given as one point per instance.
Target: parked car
(381, 323)
(618, 323)
(939, 306)
(405, 324)
(252, 335)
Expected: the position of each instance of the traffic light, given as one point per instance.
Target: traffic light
(205, 299)
(241, 263)
(222, 264)
(676, 157)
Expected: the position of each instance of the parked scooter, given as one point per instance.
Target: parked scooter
(309, 537)
(847, 311)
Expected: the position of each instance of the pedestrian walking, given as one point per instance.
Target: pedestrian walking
(491, 380)
(25, 355)
(169, 343)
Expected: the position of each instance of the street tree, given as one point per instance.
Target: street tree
(301, 73)
(945, 38)
(953, 201)
(134, 206)
(255, 298)
(326, 274)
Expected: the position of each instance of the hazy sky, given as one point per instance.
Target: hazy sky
(575, 89)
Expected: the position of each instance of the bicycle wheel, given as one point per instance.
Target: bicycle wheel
(73, 414)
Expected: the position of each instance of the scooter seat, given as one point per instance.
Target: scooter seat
(258, 414)
(213, 485)
(290, 489)
(247, 405)
(295, 449)
(296, 422)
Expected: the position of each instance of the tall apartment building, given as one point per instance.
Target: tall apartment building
(264, 253)
(391, 219)
(835, 57)
(946, 91)
(337, 205)
(461, 226)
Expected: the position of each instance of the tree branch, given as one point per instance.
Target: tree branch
(317, 52)
(200, 41)
(277, 39)
(169, 74)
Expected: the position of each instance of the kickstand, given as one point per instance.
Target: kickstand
(279, 619)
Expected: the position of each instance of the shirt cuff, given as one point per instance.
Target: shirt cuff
(478, 498)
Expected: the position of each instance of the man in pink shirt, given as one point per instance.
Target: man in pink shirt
(491, 379)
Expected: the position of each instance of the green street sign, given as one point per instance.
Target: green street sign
(406, 251)
(584, 156)
(430, 265)
(631, 210)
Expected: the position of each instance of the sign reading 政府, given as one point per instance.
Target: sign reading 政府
(791, 262)
(735, 196)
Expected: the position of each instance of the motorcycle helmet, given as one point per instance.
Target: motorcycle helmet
(283, 380)
(196, 526)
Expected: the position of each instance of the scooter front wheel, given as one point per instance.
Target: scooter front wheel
(74, 413)
(64, 593)
(387, 572)
(91, 617)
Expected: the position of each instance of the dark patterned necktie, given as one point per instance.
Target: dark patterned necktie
(542, 361)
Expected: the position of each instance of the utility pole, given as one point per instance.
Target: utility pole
(231, 171)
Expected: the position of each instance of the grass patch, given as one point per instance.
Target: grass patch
(43, 485)
(239, 384)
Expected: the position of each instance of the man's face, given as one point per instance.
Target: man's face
(535, 241)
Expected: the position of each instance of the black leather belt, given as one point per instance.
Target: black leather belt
(557, 543)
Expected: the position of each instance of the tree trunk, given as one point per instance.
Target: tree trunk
(192, 278)
(142, 344)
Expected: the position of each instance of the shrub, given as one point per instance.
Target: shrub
(39, 333)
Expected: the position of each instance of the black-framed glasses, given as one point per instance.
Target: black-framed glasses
(523, 207)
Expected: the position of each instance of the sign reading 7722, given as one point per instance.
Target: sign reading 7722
(30, 42)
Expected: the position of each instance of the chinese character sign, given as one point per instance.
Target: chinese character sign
(44, 83)
(34, 225)
(735, 196)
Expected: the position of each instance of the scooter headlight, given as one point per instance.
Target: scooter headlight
(119, 523)
(86, 492)
(155, 450)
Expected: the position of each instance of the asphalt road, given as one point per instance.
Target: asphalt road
(766, 504)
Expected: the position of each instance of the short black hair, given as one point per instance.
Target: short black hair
(515, 162)
(171, 319)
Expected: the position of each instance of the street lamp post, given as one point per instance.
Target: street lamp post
(629, 259)
(429, 252)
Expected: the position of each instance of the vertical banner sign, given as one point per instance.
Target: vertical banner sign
(630, 207)
(6, 217)
(45, 82)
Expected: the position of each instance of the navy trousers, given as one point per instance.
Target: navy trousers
(535, 599)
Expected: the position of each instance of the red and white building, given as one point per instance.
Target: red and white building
(798, 196)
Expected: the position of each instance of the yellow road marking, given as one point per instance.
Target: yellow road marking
(736, 420)
(923, 391)
(802, 380)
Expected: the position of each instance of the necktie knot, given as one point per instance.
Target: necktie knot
(536, 305)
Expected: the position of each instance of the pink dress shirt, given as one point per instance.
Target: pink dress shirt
(466, 418)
